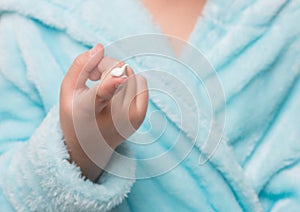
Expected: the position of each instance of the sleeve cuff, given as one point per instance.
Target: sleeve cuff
(39, 176)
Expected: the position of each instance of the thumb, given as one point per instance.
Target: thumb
(82, 67)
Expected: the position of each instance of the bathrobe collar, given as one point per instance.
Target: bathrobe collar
(82, 20)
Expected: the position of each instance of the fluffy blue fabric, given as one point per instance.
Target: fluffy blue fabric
(253, 45)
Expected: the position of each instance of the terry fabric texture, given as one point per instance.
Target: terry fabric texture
(254, 47)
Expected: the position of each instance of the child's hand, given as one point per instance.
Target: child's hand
(81, 107)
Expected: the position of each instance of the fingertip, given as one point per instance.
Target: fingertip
(97, 49)
(95, 57)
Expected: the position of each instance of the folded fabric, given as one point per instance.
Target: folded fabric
(254, 47)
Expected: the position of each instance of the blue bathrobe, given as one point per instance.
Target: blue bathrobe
(254, 47)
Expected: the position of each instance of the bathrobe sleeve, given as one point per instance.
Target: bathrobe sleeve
(35, 174)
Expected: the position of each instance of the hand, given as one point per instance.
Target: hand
(81, 107)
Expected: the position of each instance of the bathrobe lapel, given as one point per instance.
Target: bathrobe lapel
(230, 38)
(83, 23)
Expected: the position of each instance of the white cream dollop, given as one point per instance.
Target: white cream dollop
(119, 71)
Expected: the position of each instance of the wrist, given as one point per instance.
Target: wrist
(77, 155)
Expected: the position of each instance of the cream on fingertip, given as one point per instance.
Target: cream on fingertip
(119, 71)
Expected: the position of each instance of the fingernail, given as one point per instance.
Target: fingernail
(94, 50)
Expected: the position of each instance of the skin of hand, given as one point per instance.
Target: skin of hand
(81, 104)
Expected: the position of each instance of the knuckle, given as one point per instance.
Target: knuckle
(142, 80)
(138, 117)
(142, 114)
